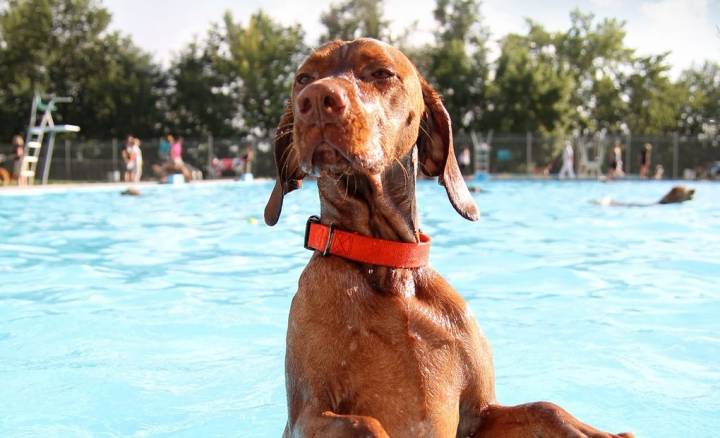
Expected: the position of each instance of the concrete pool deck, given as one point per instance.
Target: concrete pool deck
(60, 187)
(40, 189)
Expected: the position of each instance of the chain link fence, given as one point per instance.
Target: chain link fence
(509, 154)
(531, 154)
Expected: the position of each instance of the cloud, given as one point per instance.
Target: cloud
(607, 3)
(683, 27)
(305, 13)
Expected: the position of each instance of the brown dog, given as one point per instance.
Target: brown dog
(375, 350)
(676, 195)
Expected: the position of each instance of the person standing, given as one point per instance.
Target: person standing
(127, 162)
(568, 167)
(645, 154)
(616, 163)
(18, 145)
(176, 151)
(176, 161)
(247, 159)
(136, 159)
(464, 159)
(164, 148)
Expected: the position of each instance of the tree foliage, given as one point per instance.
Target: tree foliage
(596, 56)
(259, 63)
(532, 90)
(63, 47)
(353, 19)
(653, 100)
(700, 110)
(199, 101)
(456, 65)
(236, 78)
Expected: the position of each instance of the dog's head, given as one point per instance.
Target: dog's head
(678, 194)
(356, 107)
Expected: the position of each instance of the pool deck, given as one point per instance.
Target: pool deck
(39, 189)
(60, 187)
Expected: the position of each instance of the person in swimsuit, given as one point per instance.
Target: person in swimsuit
(19, 152)
(567, 170)
(464, 160)
(616, 163)
(645, 153)
(175, 164)
(164, 148)
(128, 165)
(135, 162)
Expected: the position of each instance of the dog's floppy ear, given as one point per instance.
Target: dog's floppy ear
(289, 176)
(437, 155)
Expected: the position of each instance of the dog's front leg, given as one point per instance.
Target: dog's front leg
(534, 419)
(329, 424)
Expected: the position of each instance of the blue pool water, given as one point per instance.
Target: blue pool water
(166, 314)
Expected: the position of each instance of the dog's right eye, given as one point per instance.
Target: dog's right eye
(382, 74)
(303, 79)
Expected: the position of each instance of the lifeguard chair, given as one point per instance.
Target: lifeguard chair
(482, 154)
(591, 167)
(35, 136)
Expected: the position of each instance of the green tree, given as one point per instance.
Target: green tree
(199, 99)
(596, 56)
(456, 65)
(532, 90)
(63, 47)
(117, 92)
(653, 99)
(260, 61)
(700, 111)
(353, 19)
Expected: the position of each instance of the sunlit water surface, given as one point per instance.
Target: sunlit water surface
(166, 314)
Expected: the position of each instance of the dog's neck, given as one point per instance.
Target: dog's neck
(381, 206)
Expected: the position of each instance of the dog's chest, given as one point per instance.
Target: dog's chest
(379, 350)
(362, 320)
(403, 363)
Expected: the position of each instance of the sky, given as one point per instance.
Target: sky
(689, 29)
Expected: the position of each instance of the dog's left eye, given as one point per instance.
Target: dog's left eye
(382, 73)
(303, 79)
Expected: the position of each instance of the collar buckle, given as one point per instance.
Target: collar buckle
(311, 220)
(331, 233)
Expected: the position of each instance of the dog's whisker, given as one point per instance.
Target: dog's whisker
(406, 175)
(281, 135)
(286, 165)
(424, 130)
(346, 189)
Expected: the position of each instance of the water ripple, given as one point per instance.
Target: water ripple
(166, 314)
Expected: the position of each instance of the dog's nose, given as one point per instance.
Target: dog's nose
(325, 101)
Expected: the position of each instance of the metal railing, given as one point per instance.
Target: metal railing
(517, 154)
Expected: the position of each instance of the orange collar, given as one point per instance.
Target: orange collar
(328, 240)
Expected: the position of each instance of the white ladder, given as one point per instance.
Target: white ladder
(591, 167)
(35, 137)
(33, 144)
(482, 152)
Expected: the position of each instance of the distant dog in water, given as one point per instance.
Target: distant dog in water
(131, 192)
(676, 195)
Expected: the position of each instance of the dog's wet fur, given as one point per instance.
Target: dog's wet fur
(376, 351)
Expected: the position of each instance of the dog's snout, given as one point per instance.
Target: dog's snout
(324, 101)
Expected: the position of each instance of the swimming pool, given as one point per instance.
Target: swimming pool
(166, 314)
